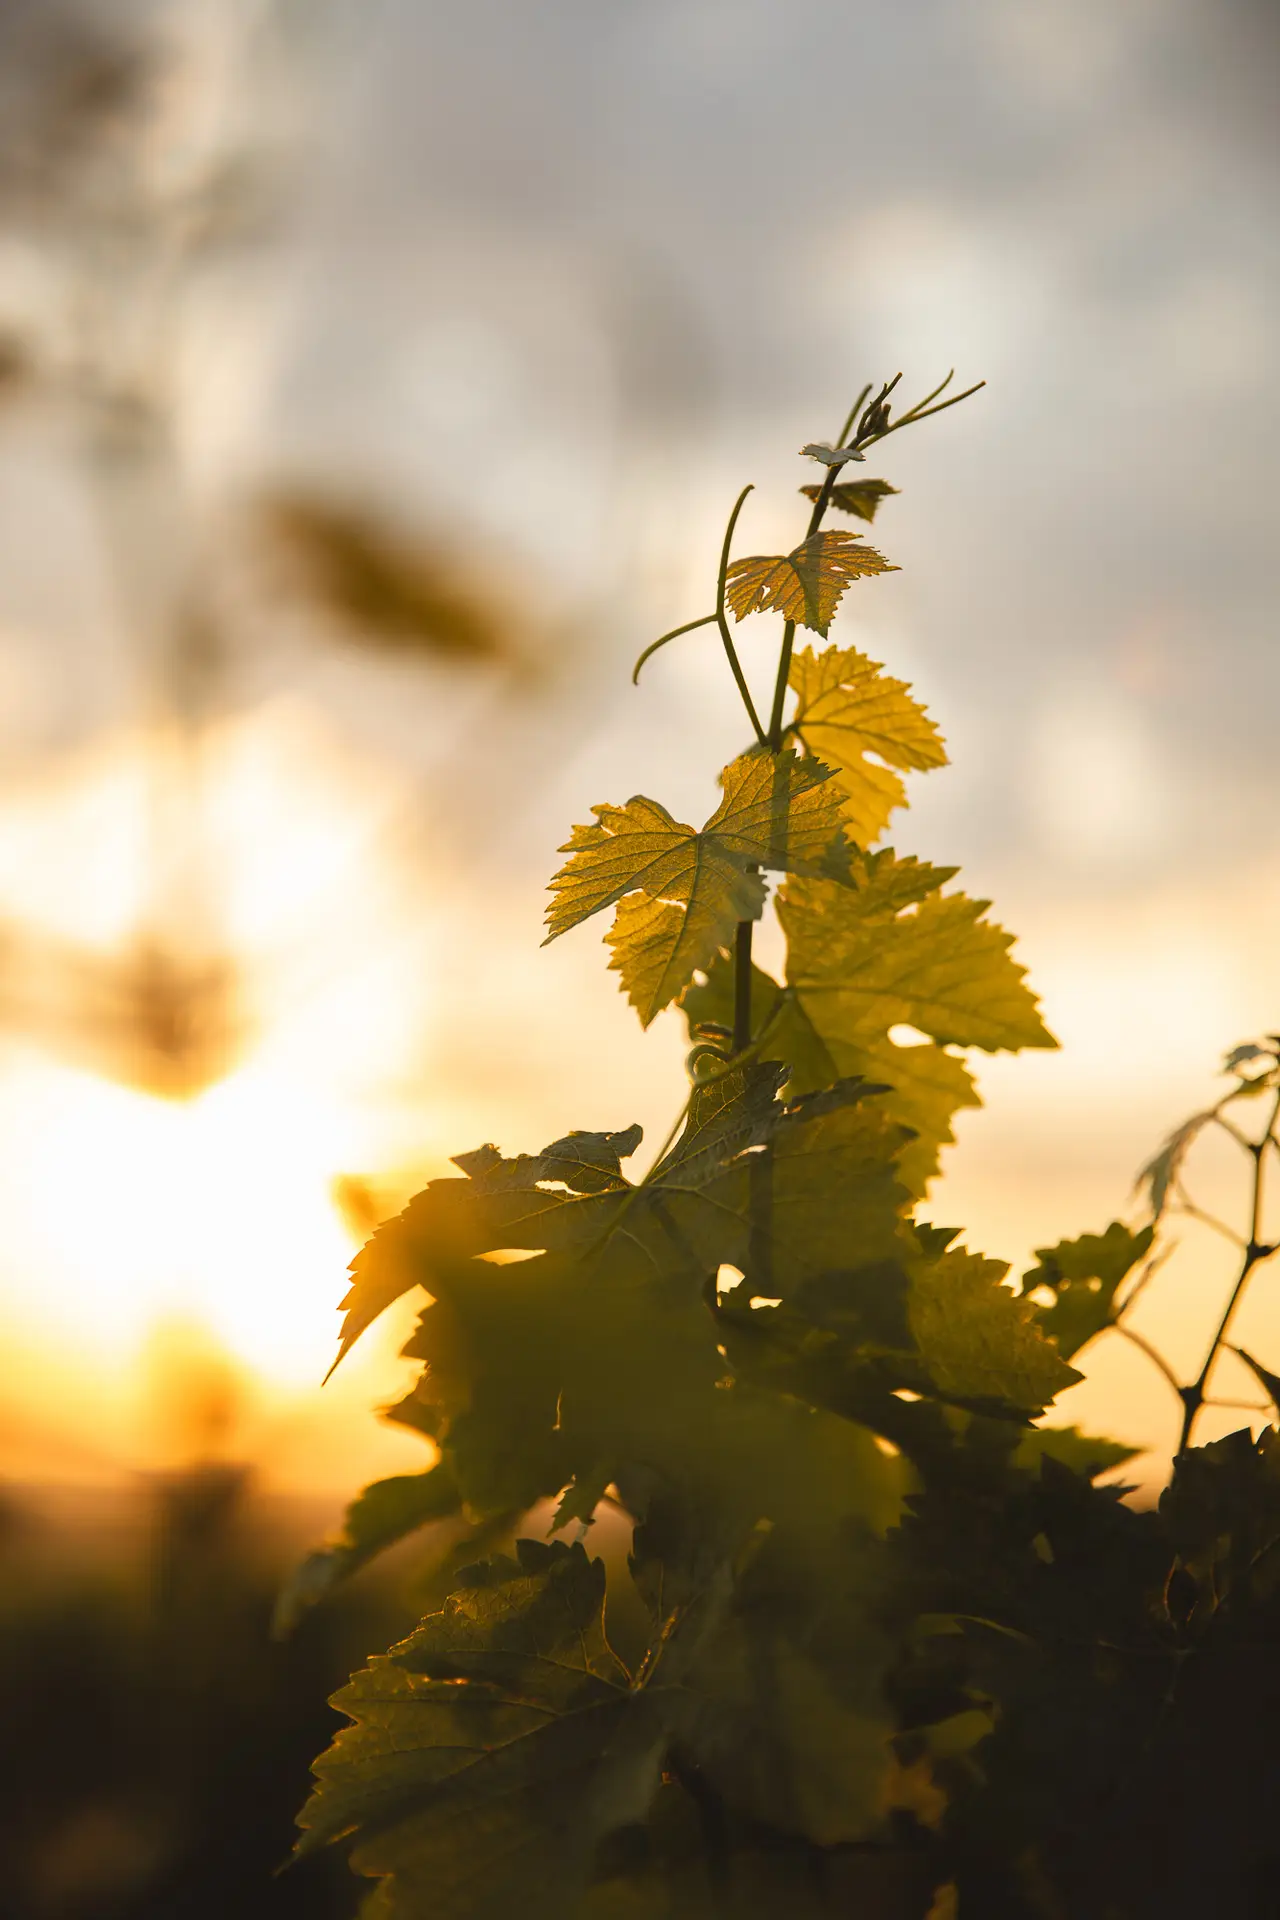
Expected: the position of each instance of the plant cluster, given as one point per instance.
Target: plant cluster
(864, 1638)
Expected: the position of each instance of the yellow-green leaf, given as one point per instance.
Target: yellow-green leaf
(490, 1750)
(926, 1084)
(682, 892)
(780, 812)
(859, 497)
(978, 1341)
(940, 967)
(805, 585)
(848, 707)
(639, 845)
(656, 945)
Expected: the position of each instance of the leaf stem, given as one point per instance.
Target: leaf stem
(923, 413)
(707, 620)
(1187, 1207)
(1153, 1354)
(1255, 1252)
(852, 416)
(730, 651)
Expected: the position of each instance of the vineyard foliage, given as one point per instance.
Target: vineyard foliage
(861, 1637)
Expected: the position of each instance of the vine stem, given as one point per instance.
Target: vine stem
(1255, 1252)
(867, 424)
(731, 652)
(789, 630)
(742, 986)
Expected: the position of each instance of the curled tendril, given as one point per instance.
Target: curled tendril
(716, 1057)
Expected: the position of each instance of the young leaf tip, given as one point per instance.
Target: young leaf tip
(831, 456)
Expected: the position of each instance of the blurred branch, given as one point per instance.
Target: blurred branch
(379, 586)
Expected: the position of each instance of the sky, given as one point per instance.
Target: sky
(552, 284)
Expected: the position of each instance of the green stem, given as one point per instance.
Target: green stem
(1255, 1252)
(707, 620)
(742, 986)
(730, 651)
(789, 630)
(851, 419)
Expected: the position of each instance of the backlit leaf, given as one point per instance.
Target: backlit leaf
(682, 893)
(779, 812)
(1270, 1382)
(491, 1751)
(978, 1341)
(831, 456)
(640, 846)
(384, 1513)
(926, 1085)
(1084, 1276)
(1084, 1453)
(805, 585)
(846, 708)
(1162, 1171)
(940, 967)
(858, 497)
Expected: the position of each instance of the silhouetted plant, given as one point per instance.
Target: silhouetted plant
(880, 1646)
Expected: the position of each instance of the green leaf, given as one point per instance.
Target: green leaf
(1161, 1173)
(383, 1514)
(846, 708)
(735, 1111)
(979, 1343)
(859, 497)
(941, 967)
(641, 846)
(566, 1200)
(764, 1723)
(492, 1750)
(806, 585)
(1270, 1382)
(683, 893)
(779, 812)
(1084, 1453)
(831, 456)
(1221, 1510)
(924, 1085)
(1084, 1276)
(1242, 1055)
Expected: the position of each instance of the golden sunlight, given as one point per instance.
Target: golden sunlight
(159, 1171)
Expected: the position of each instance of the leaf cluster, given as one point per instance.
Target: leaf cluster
(864, 1635)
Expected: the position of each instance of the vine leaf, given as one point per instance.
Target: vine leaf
(978, 1341)
(861, 967)
(925, 1086)
(681, 892)
(831, 456)
(887, 949)
(490, 1751)
(1160, 1175)
(1241, 1056)
(1087, 1454)
(498, 1203)
(848, 707)
(806, 585)
(1084, 1276)
(387, 1511)
(641, 846)
(861, 498)
(1270, 1382)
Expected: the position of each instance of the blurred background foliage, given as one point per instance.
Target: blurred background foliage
(374, 381)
